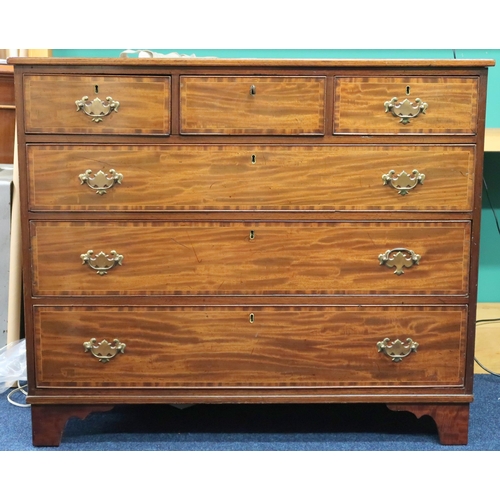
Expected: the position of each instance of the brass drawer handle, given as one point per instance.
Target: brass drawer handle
(102, 263)
(101, 182)
(406, 109)
(104, 350)
(97, 109)
(399, 258)
(397, 350)
(403, 182)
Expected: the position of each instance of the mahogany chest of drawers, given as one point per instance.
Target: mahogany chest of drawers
(250, 231)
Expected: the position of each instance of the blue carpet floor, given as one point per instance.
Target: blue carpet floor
(260, 427)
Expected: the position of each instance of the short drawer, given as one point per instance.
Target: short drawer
(62, 104)
(252, 105)
(250, 177)
(410, 105)
(202, 258)
(270, 347)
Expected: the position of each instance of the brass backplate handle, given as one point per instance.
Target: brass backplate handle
(399, 258)
(403, 182)
(97, 109)
(104, 350)
(101, 182)
(406, 109)
(102, 263)
(397, 350)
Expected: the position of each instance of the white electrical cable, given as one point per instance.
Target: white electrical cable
(487, 320)
(20, 388)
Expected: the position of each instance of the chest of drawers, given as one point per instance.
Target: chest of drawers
(250, 231)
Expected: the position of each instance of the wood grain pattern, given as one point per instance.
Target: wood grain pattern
(7, 114)
(205, 165)
(452, 420)
(275, 65)
(224, 105)
(50, 104)
(219, 347)
(452, 105)
(250, 177)
(220, 258)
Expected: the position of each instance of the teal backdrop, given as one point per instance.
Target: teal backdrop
(489, 266)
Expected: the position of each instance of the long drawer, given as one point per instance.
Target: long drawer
(250, 177)
(141, 258)
(406, 105)
(62, 104)
(237, 105)
(221, 347)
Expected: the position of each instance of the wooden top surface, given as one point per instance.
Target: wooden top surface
(215, 61)
(6, 69)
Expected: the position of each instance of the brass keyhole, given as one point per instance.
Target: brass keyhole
(96, 89)
(254, 159)
(253, 90)
(252, 235)
(407, 90)
(251, 317)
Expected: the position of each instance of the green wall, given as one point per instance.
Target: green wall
(489, 266)
(489, 254)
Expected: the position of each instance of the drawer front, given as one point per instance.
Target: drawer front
(60, 104)
(113, 178)
(439, 105)
(175, 347)
(252, 105)
(249, 258)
